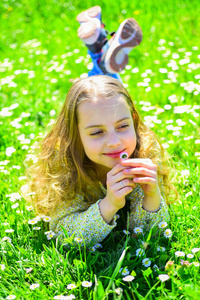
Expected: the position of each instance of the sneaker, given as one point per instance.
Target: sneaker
(87, 15)
(93, 35)
(115, 52)
(89, 31)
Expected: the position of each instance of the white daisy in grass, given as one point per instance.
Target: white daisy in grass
(179, 253)
(86, 283)
(29, 208)
(167, 233)
(11, 297)
(58, 297)
(6, 239)
(163, 277)
(2, 267)
(194, 250)
(50, 235)
(36, 228)
(28, 270)
(196, 264)
(46, 219)
(69, 297)
(71, 286)
(9, 230)
(128, 278)
(33, 221)
(34, 286)
(78, 240)
(118, 291)
(190, 255)
(138, 230)
(146, 262)
(162, 249)
(139, 252)
(124, 271)
(162, 224)
(126, 232)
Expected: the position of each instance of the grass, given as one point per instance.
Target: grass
(40, 56)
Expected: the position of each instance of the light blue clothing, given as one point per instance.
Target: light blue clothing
(96, 70)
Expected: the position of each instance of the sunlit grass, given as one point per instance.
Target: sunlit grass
(40, 57)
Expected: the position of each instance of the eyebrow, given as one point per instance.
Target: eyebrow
(92, 126)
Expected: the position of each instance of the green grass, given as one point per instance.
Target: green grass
(40, 56)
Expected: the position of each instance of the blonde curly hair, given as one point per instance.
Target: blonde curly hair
(63, 169)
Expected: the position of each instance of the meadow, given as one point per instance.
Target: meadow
(40, 57)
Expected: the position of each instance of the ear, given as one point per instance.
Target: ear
(133, 116)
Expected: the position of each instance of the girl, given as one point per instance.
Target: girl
(80, 179)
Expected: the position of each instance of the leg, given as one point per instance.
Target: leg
(96, 57)
(115, 52)
(93, 34)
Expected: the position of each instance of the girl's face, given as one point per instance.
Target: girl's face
(106, 130)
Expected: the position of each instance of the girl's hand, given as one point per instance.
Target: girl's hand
(119, 185)
(144, 172)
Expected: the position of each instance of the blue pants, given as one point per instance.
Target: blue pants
(96, 70)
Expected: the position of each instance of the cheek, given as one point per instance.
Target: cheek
(90, 146)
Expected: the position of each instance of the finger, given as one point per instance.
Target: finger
(145, 180)
(124, 183)
(116, 169)
(139, 162)
(141, 171)
(123, 192)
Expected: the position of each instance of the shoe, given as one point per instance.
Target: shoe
(89, 31)
(87, 15)
(115, 52)
(93, 35)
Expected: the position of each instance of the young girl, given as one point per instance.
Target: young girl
(81, 180)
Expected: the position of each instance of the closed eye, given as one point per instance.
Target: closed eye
(124, 126)
(96, 133)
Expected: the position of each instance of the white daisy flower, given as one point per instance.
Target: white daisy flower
(128, 278)
(126, 232)
(36, 228)
(6, 239)
(167, 233)
(179, 253)
(28, 270)
(50, 235)
(139, 252)
(162, 224)
(86, 283)
(146, 262)
(190, 255)
(71, 286)
(138, 230)
(118, 291)
(46, 219)
(124, 271)
(34, 286)
(196, 264)
(9, 230)
(33, 221)
(162, 249)
(2, 266)
(194, 250)
(77, 239)
(163, 277)
(11, 297)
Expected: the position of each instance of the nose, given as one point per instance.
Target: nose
(113, 140)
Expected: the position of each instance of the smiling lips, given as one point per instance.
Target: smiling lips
(114, 154)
